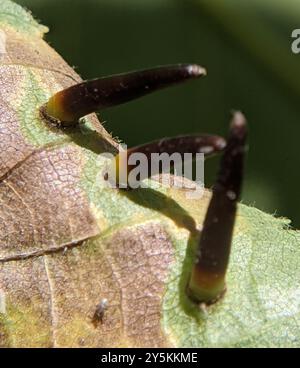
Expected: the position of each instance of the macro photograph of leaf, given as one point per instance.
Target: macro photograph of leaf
(107, 240)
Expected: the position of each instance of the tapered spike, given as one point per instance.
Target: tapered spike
(206, 144)
(69, 105)
(207, 282)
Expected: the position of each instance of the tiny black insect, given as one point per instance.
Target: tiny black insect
(99, 312)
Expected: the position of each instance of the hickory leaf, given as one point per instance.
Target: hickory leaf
(67, 241)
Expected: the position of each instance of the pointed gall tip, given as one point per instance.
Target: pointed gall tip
(220, 144)
(238, 125)
(196, 71)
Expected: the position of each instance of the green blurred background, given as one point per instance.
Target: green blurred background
(246, 48)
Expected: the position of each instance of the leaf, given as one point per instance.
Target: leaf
(68, 242)
(279, 60)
